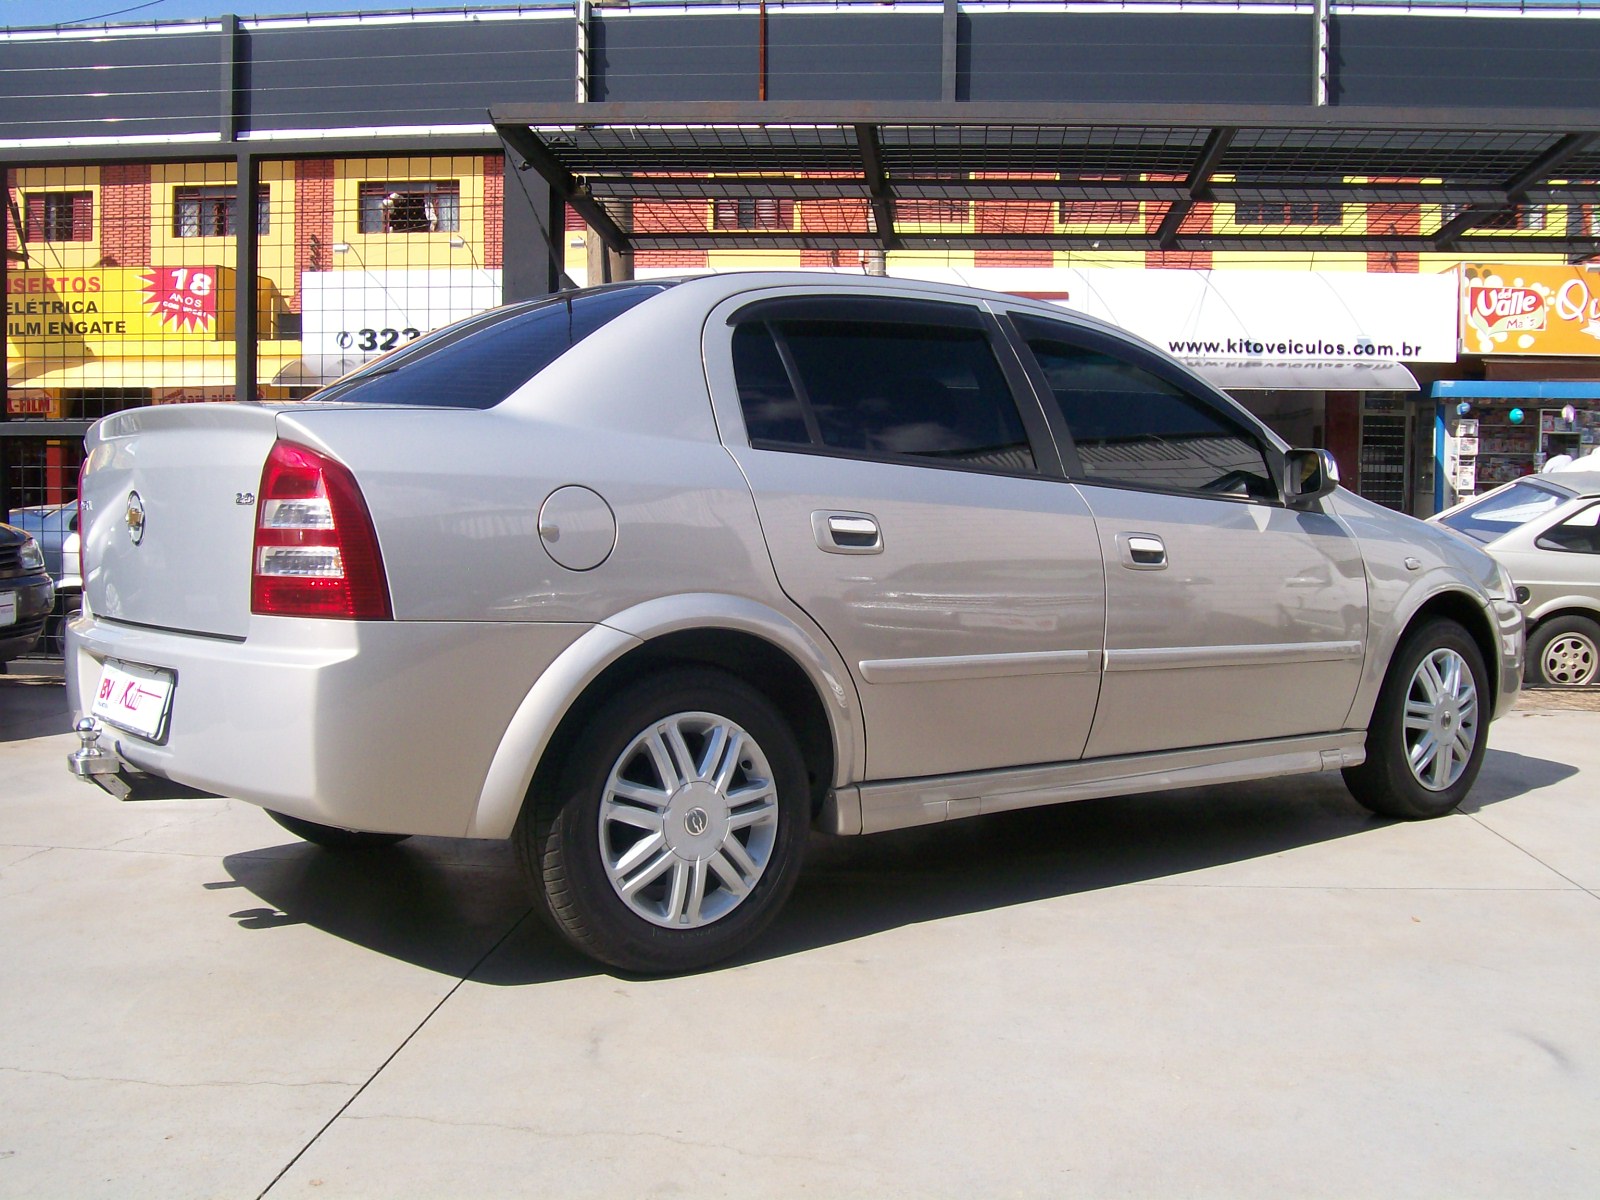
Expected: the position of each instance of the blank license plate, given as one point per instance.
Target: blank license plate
(135, 698)
(8, 608)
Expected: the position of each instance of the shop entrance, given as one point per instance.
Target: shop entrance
(1384, 459)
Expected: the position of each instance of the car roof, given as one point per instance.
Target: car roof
(732, 283)
(1579, 483)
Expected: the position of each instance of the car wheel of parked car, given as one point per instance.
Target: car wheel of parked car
(55, 629)
(678, 827)
(1564, 652)
(1429, 728)
(332, 837)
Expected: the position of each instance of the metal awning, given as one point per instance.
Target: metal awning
(984, 177)
(1477, 389)
(1311, 375)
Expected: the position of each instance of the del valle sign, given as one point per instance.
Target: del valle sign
(1512, 309)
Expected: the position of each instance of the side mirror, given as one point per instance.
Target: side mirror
(1310, 475)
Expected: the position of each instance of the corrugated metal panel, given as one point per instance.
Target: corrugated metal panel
(1465, 63)
(411, 74)
(153, 86)
(1171, 58)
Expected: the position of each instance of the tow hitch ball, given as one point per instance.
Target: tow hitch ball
(94, 765)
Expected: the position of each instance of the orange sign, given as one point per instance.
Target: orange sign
(1510, 309)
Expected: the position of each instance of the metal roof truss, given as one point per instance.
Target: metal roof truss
(1022, 177)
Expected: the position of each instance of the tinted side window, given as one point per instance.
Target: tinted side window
(1578, 534)
(879, 388)
(772, 412)
(478, 362)
(1131, 426)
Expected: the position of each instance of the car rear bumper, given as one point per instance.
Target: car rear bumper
(385, 726)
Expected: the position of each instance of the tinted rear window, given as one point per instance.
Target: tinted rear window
(1501, 512)
(478, 362)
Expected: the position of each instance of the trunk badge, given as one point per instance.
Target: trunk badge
(135, 518)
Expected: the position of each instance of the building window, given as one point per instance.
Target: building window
(1529, 218)
(60, 217)
(1284, 212)
(753, 213)
(1100, 212)
(942, 211)
(410, 207)
(210, 211)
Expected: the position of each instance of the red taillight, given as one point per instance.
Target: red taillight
(316, 551)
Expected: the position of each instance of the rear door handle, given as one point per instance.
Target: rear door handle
(847, 532)
(1142, 551)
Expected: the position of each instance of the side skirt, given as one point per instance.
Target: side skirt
(902, 803)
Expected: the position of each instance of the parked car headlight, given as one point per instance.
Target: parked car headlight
(32, 556)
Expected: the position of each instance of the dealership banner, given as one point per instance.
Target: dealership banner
(1515, 309)
(1284, 317)
(65, 314)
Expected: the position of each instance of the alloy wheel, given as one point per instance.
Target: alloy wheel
(688, 820)
(1441, 719)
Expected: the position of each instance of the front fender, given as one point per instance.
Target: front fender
(559, 686)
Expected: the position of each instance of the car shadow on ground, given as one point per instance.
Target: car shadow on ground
(463, 909)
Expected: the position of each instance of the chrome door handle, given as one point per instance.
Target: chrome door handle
(1142, 551)
(847, 532)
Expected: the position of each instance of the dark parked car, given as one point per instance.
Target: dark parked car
(26, 593)
(55, 528)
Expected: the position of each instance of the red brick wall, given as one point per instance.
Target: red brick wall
(13, 238)
(1393, 220)
(125, 215)
(1198, 220)
(494, 211)
(1013, 258)
(313, 222)
(1341, 434)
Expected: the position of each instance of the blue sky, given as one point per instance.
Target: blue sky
(95, 12)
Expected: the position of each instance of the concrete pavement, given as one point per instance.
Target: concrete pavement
(1251, 991)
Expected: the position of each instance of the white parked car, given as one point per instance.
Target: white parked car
(1545, 530)
(655, 578)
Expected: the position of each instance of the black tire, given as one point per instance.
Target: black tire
(55, 626)
(1438, 674)
(693, 862)
(1564, 652)
(332, 837)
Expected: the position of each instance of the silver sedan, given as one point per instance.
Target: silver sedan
(657, 577)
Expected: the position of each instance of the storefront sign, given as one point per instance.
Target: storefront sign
(182, 297)
(65, 314)
(1514, 309)
(350, 317)
(1290, 317)
(20, 403)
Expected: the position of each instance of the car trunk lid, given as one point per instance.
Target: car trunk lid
(169, 514)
